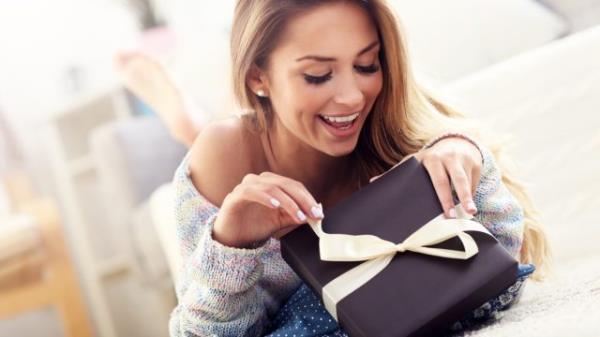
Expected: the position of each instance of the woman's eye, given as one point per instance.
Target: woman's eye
(317, 79)
(370, 69)
(373, 68)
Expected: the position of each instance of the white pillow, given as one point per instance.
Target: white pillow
(162, 206)
(449, 39)
(581, 14)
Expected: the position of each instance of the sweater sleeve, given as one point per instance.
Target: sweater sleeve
(498, 210)
(222, 291)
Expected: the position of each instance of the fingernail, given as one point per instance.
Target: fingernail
(275, 202)
(317, 212)
(452, 213)
(301, 215)
(471, 206)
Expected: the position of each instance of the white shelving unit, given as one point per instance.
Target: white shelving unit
(119, 305)
(99, 257)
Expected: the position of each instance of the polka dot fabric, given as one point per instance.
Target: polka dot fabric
(304, 316)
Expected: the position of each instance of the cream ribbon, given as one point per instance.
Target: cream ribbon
(378, 253)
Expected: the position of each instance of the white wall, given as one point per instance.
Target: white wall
(202, 58)
(39, 41)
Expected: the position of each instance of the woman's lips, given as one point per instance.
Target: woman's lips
(340, 132)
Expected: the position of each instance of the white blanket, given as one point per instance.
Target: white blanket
(549, 99)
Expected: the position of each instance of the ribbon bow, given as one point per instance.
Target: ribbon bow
(378, 253)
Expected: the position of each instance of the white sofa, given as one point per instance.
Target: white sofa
(549, 100)
(509, 63)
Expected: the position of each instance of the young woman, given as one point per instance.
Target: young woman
(330, 103)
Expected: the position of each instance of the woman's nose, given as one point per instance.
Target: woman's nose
(349, 94)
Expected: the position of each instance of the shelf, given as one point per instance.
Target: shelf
(96, 232)
(86, 99)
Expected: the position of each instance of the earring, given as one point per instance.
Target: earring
(260, 93)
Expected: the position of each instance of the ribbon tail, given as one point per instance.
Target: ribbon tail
(348, 282)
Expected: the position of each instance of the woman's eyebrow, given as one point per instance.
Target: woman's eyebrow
(330, 59)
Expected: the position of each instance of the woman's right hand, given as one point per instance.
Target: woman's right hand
(262, 206)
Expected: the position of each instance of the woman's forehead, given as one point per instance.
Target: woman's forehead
(337, 30)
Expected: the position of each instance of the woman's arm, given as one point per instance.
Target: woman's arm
(219, 291)
(222, 291)
(498, 210)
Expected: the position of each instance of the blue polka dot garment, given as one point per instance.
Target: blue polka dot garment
(303, 315)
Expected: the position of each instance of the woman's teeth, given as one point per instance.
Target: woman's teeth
(339, 122)
(338, 119)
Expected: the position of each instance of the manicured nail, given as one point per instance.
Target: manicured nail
(471, 206)
(317, 212)
(275, 202)
(301, 215)
(452, 213)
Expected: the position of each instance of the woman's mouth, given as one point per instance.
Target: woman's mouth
(340, 126)
(340, 122)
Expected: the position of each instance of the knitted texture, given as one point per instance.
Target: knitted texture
(498, 210)
(226, 291)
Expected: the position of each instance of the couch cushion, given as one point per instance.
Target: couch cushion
(581, 14)
(449, 39)
(548, 100)
(135, 157)
(149, 256)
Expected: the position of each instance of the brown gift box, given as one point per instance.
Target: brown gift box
(416, 294)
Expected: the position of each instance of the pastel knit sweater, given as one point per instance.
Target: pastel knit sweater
(225, 291)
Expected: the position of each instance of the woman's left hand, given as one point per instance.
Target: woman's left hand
(457, 160)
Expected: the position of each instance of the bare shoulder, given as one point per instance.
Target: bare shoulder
(222, 154)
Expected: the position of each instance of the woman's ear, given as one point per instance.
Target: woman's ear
(258, 81)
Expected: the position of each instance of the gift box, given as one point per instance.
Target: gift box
(385, 261)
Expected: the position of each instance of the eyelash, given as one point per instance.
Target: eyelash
(316, 80)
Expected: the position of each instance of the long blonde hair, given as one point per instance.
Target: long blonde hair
(403, 118)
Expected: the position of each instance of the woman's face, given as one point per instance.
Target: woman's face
(324, 76)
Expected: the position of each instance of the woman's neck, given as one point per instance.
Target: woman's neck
(326, 178)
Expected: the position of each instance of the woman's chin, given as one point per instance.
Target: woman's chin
(339, 150)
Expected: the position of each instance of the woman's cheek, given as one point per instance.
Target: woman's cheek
(375, 84)
(314, 97)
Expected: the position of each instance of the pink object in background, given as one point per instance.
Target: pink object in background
(159, 42)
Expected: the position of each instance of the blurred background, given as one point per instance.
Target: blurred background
(86, 237)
